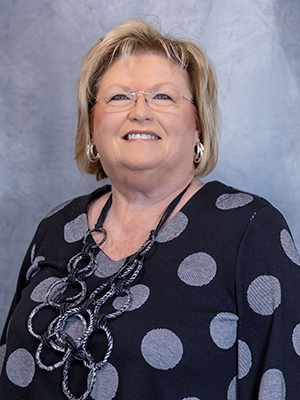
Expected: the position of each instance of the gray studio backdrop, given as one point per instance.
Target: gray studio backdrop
(254, 45)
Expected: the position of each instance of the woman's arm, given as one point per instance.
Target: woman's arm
(268, 297)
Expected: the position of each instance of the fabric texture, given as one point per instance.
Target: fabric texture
(215, 310)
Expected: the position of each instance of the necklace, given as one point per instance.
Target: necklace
(68, 297)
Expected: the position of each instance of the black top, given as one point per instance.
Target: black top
(215, 311)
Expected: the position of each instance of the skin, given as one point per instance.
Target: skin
(146, 174)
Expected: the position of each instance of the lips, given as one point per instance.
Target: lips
(141, 135)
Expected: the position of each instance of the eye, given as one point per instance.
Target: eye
(119, 97)
(162, 96)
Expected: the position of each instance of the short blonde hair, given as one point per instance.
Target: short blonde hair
(136, 36)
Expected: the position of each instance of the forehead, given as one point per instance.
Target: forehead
(144, 71)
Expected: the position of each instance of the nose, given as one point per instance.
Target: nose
(141, 109)
(141, 95)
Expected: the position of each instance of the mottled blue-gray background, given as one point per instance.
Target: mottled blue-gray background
(254, 45)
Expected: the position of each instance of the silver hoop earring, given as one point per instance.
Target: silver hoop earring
(198, 152)
(90, 153)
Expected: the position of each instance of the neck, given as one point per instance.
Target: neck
(140, 194)
(135, 212)
(144, 188)
(146, 204)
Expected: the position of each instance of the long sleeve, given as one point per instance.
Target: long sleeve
(268, 298)
(21, 283)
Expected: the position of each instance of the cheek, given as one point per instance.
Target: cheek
(192, 128)
(185, 126)
(192, 120)
(104, 124)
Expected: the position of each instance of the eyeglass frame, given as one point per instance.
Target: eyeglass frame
(134, 94)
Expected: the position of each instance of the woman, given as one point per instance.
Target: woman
(158, 286)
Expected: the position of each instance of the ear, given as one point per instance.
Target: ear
(198, 127)
(197, 135)
(91, 124)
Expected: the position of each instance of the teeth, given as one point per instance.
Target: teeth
(132, 136)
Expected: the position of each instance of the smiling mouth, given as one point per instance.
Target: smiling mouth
(145, 136)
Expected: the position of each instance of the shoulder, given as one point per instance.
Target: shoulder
(230, 198)
(78, 204)
(71, 210)
(230, 212)
(67, 223)
(264, 225)
(244, 203)
(235, 204)
(226, 203)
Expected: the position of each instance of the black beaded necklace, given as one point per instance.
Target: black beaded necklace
(88, 310)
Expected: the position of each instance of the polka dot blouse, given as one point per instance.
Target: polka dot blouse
(215, 310)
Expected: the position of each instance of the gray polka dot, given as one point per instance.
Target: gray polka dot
(223, 329)
(272, 386)
(197, 269)
(173, 229)
(244, 359)
(140, 294)
(191, 398)
(76, 229)
(58, 208)
(20, 367)
(296, 339)
(107, 267)
(289, 247)
(264, 294)
(162, 349)
(39, 292)
(106, 383)
(2, 355)
(232, 390)
(229, 201)
(76, 326)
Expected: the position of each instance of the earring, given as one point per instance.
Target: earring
(198, 152)
(90, 153)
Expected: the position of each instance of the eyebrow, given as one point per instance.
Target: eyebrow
(154, 87)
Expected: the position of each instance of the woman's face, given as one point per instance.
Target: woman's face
(169, 135)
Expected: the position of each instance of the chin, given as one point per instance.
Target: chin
(142, 162)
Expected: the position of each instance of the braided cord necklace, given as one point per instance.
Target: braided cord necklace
(88, 310)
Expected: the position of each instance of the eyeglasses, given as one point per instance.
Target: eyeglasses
(166, 100)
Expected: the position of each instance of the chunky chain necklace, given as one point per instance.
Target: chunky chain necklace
(88, 309)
